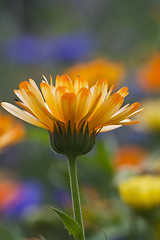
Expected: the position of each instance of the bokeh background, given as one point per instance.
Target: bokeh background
(50, 37)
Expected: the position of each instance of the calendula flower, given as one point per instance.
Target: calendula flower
(73, 113)
(151, 115)
(10, 131)
(149, 75)
(141, 192)
(93, 70)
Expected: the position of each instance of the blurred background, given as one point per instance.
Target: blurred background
(119, 40)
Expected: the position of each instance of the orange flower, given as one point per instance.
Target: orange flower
(93, 70)
(149, 76)
(129, 156)
(72, 112)
(10, 131)
(8, 192)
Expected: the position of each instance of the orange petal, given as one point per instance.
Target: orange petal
(107, 109)
(68, 105)
(60, 91)
(80, 83)
(50, 99)
(38, 109)
(83, 103)
(126, 113)
(101, 86)
(123, 91)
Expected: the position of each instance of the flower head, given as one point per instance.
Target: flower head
(10, 131)
(149, 75)
(93, 70)
(141, 192)
(73, 113)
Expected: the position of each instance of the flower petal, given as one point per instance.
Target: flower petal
(50, 99)
(83, 103)
(39, 110)
(80, 83)
(110, 127)
(22, 115)
(108, 108)
(68, 104)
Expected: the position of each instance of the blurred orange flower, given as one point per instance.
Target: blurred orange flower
(8, 192)
(10, 131)
(129, 156)
(149, 75)
(93, 70)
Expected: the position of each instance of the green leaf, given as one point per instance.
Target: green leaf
(71, 225)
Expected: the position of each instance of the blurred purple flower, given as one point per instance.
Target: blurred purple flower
(29, 49)
(62, 197)
(29, 197)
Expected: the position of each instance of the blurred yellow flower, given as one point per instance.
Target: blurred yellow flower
(10, 131)
(141, 192)
(73, 113)
(149, 75)
(150, 119)
(93, 70)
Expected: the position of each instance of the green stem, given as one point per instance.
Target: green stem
(77, 212)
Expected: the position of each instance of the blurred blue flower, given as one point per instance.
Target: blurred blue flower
(28, 49)
(28, 197)
(62, 197)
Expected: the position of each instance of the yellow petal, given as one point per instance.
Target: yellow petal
(107, 109)
(22, 115)
(50, 99)
(101, 86)
(123, 91)
(64, 80)
(83, 103)
(68, 103)
(60, 91)
(80, 83)
(33, 88)
(27, 86)
(38, 109)
(110, 127)
(126, 113)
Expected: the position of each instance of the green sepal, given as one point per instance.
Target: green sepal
(72, 140)
(71, 225)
